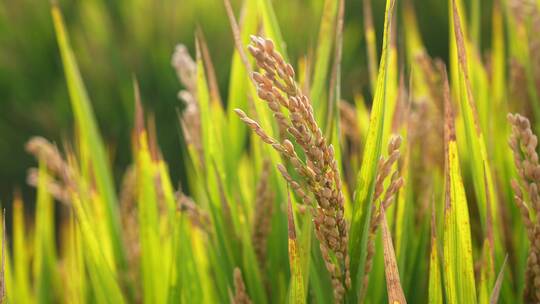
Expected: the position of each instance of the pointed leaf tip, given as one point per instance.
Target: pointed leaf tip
(393, 282)
(494, 299)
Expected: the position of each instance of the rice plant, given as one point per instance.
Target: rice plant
(426, 193)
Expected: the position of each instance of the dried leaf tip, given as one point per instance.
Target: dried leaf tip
(494, 298)
(449, 129)
(139, 114)
(393, 283)
(458, 32)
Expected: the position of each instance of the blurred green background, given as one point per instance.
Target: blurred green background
(116, 40)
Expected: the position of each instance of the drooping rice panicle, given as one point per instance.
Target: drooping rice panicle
(42, 148)
(49, 153)
(186, 71)
(276, 85)
(523, 144)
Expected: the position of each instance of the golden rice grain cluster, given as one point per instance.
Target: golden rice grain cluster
(319, 171)
(523, 144)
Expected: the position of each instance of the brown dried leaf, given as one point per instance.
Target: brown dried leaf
(393, 283)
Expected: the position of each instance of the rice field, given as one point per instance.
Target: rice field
(426, 190)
